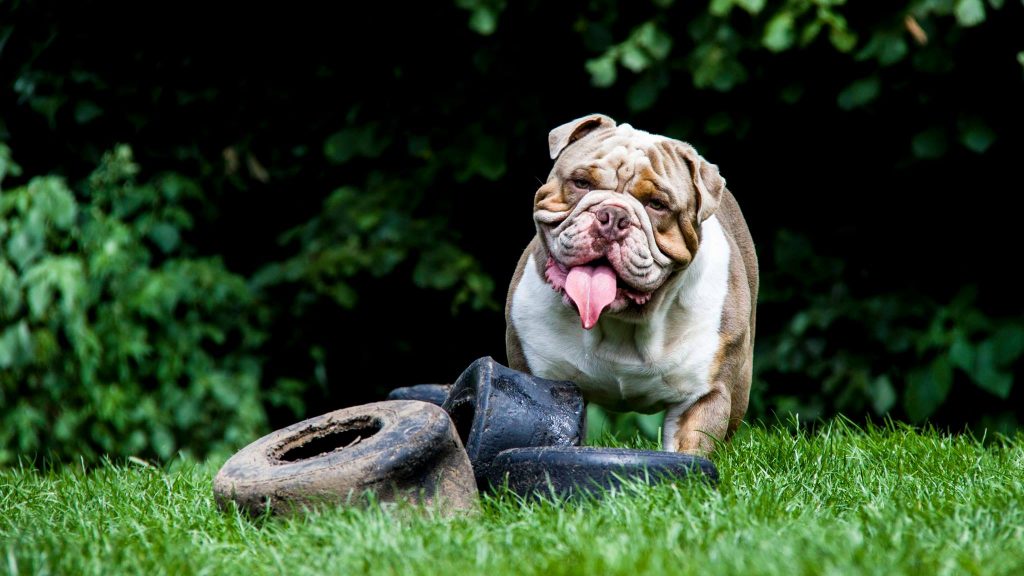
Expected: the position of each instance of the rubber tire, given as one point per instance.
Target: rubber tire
(495, 408)
(575, 471)
(414, 455)
(434, 393)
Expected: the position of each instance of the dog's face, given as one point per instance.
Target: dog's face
(620, 213)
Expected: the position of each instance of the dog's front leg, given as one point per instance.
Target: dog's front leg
(697, 429)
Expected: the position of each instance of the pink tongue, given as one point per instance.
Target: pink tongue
(591, 288)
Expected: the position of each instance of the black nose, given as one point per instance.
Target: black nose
(613, 222)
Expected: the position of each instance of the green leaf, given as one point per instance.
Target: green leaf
(977, 136)
(10, 291)
(343, 294)
(930, 144)
(653, 39)
(86, 111)
(7, 165)
(883, 395)
(1008, 344)
(441, 267)
(25, 245)
(720, 8)
(165, 236)
(54, 201)
(633, 58)
(859, 93)
(162, 441)
(602, 70)
(1000, 384)
(961, 354)
(47, 106)
(986, 371)
(341, 146)
(779, 33)
(483, 21)
(843, 39)
(16, 346)
(643, 94)
(355, 141)
(753, 7)
(970, 12)
(886, 48)
(810, 32)
(927, 389)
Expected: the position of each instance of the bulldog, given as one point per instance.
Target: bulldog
(641, 283)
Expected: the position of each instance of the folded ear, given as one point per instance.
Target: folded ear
(708, 184)
(568, 133)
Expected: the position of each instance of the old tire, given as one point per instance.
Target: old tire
(399, 450)
(434, 393)
(495, 408)
(573, 471)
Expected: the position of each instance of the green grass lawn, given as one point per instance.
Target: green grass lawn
(838, 501)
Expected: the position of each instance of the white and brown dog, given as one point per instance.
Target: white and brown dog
(639, 242)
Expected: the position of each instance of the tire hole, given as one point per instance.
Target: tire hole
(462, 414)
(324, 441)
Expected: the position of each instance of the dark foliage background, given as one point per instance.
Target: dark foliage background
(354, 190)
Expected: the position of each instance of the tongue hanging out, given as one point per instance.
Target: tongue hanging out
(591, 288)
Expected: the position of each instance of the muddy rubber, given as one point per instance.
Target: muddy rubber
(434, 393)
(398, 450)
(575, 471)
(495, 408)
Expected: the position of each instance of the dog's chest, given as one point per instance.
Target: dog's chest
(642, 367)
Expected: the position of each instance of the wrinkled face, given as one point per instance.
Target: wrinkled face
(619, 214)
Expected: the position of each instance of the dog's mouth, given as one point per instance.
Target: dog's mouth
(592, 288)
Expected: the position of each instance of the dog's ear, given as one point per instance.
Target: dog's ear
(568, 133)
(708, 183)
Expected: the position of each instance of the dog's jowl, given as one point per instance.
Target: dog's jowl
(641, 283)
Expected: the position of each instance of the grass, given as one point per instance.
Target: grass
(886, 500)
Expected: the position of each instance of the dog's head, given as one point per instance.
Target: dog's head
(620, 213)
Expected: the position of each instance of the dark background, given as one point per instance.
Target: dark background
(879, 175)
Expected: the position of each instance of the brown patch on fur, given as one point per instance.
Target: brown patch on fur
(672, 242)
(676, 237)
(734, 361)
(719, 413)
(706, 421)
(645, 189)
(551, 197)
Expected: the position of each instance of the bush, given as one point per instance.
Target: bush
(113, 340)
(851, 349)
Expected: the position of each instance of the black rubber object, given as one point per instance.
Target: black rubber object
(433, 393)
(573, 471)
(495, 408)
(399, 450)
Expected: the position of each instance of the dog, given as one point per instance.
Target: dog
(641, 283)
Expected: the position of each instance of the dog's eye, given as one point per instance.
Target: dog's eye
(657, 205)
(581, 183)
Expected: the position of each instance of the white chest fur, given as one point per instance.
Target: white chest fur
(632, 365)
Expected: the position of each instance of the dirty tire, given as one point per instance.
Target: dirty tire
(574, 471)
(434, 393)
(495, 408)
(399, 450)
